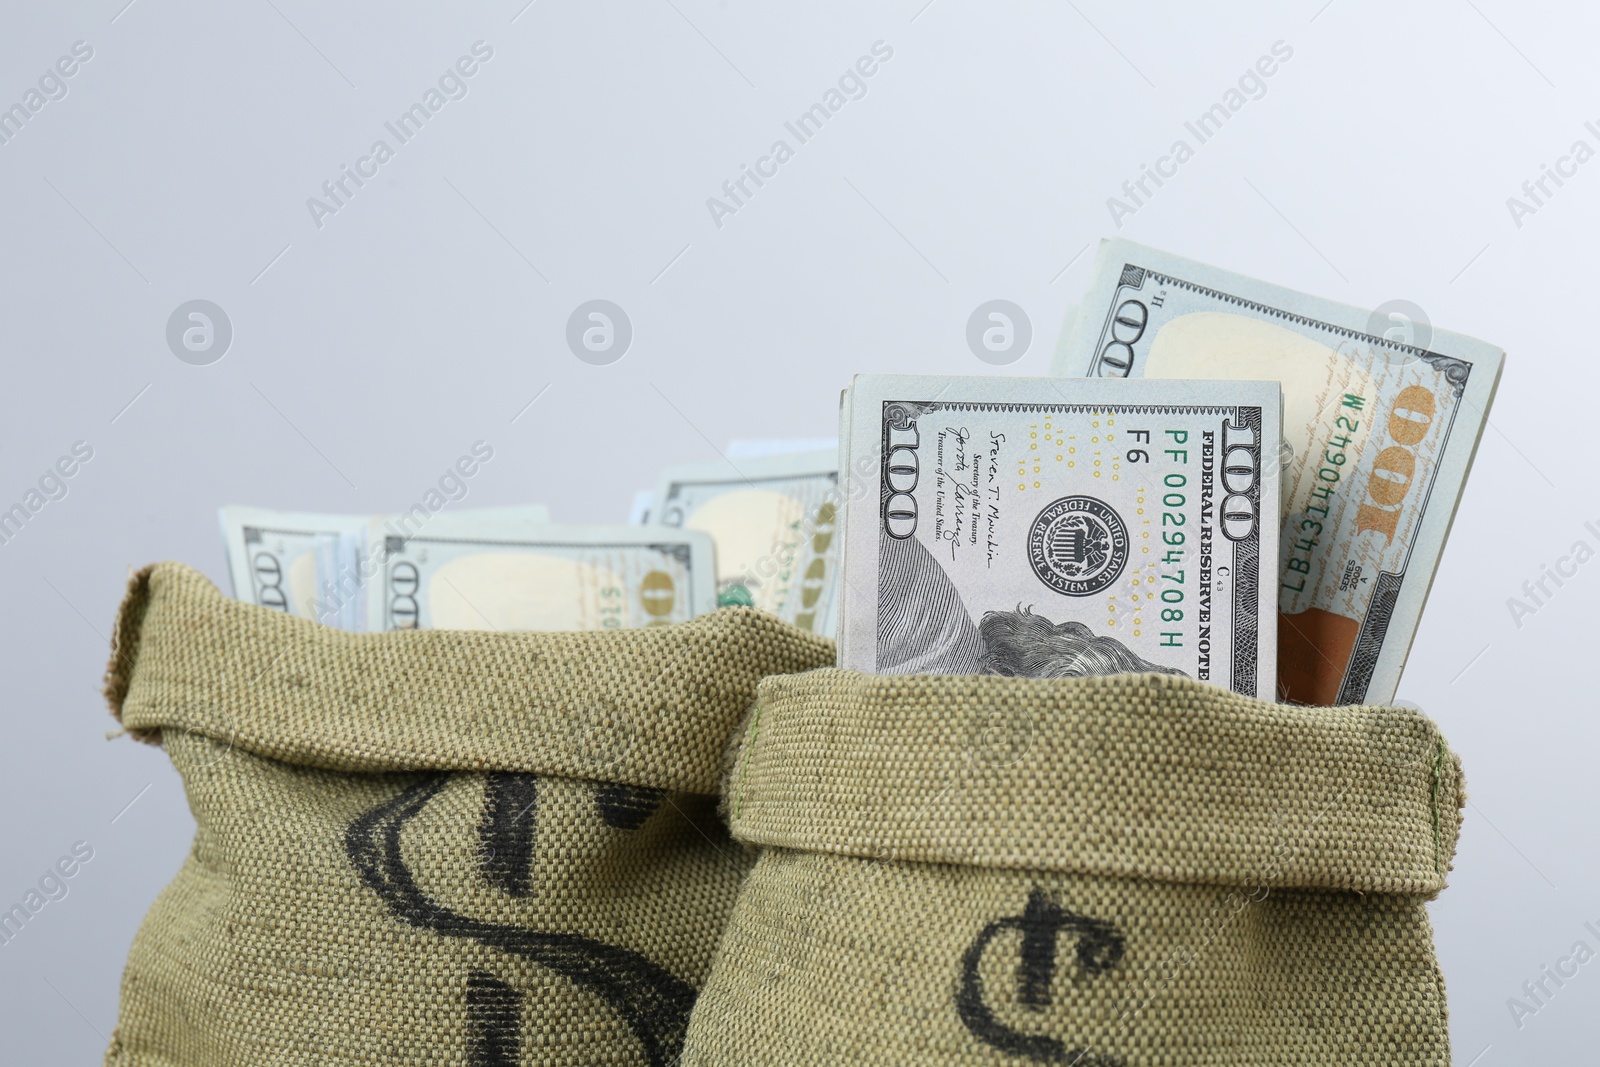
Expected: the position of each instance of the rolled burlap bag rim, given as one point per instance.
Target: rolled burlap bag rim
(1148, 776)
(294, 690)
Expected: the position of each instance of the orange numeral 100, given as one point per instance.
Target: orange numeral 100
(1392, 472)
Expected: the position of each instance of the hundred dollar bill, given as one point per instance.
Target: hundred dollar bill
(280, 559)
(315, 565)
(1382, 428)
(1056, 527)
(772, 519)
(465, 574)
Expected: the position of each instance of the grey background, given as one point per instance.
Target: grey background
(369, 353)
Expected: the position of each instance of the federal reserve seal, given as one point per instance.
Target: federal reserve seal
(1078, 545)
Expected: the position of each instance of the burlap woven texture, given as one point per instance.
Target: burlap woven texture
(1109, 872)
(431, 848)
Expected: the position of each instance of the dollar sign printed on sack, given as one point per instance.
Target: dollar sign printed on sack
(652, 1001)
(1098, 948)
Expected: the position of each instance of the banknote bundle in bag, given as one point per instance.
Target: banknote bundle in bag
(316, 565)
(755, 528)
(431, 846)
(1009, 858)
(473, 569)
(1382, 416)
(1054, 527)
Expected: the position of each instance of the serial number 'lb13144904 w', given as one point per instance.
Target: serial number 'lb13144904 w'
(1380, 424)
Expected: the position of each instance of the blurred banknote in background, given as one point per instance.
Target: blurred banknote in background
(772, 518)
(1382, 428)
(486, 574)
(316, 566)
(1054, 527)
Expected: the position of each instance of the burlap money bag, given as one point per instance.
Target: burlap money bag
(1110, 872)
(435, 847)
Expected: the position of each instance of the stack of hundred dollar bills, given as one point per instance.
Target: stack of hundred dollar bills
(1223, 479)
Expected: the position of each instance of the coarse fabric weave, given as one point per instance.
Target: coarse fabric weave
(1131, 871)
(432, 847)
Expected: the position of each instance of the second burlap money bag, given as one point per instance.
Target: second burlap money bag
(432, 847)
(1127, 871)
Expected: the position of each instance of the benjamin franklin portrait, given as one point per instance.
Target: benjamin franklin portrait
(924, 628)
